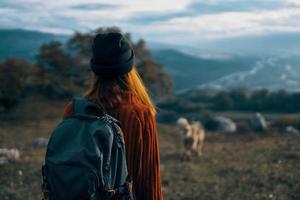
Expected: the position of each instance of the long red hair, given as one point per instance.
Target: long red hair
(109, 91)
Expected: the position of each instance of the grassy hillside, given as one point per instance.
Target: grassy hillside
(234, 166)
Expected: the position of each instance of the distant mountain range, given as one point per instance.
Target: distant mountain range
(257, 45)
(275, 73)
(23, 43)
(281, 71)
(189, 71)
(267, 62)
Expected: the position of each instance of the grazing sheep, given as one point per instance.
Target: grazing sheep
(193, 137)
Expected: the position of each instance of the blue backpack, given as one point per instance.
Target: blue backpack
(85, 157)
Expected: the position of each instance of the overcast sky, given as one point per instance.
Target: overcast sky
(180, 21)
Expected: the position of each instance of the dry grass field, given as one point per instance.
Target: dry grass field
(246, 166)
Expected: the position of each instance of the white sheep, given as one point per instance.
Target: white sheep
(193, 137)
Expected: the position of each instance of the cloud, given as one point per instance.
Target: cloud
(215, 6)
(186, 21)
(152, 17)
(227, 24)
(93, 6)
(202, 7)
(293, 2)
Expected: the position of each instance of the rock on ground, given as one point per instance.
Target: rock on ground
(258, 122)
(9, 155)
(40, 142)
(223, 124)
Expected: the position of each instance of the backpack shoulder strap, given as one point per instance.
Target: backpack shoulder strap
(85, 106)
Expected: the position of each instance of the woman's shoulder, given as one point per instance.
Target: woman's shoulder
(135, 108)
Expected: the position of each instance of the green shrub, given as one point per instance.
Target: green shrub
(14, 75)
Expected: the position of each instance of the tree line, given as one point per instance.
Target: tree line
(240, 99)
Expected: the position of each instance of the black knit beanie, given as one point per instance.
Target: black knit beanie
(112, 55)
